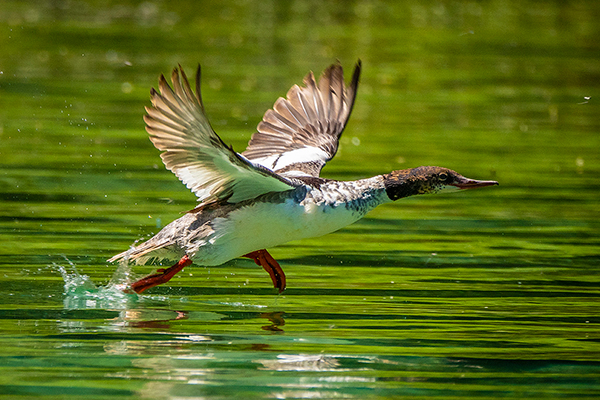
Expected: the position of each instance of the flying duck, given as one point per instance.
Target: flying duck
(272, 192)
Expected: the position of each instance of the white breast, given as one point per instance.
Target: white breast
(264, 224)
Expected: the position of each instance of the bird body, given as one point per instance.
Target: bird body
(214, 235)
(272, 192)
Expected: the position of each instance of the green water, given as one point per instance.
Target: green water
(479, 295)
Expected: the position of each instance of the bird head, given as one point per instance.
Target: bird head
(423, 180)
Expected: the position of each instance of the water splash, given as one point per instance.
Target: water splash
(82, 293)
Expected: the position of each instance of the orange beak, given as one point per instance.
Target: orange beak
(473, 184)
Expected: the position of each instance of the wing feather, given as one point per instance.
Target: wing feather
(303, 129)
(178, 126)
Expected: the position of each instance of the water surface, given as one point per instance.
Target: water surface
(484, 294)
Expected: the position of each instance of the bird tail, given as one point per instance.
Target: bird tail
(140, 253)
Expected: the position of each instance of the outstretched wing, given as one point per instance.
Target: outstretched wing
(191, 149)
(300, 134)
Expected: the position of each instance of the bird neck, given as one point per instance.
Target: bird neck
(402, 183)
(360, 196)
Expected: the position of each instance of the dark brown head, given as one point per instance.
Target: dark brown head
(423, 180)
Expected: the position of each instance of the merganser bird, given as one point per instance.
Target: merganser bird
(271, 193)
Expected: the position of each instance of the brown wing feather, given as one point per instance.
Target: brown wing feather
(301, 132)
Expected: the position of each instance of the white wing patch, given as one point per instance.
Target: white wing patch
(301, 132)
(303, 155)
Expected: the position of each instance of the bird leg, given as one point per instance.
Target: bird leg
(163, 275)
(265, 260)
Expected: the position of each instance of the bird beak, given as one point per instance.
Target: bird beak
(467, 183)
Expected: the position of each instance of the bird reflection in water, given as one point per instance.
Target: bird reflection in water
(276, 319)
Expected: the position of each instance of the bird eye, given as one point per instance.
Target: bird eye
(443, 177)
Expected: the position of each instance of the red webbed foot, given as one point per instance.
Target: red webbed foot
(265, 260)
(163, 275)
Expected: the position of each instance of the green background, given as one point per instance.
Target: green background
(484, 294)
